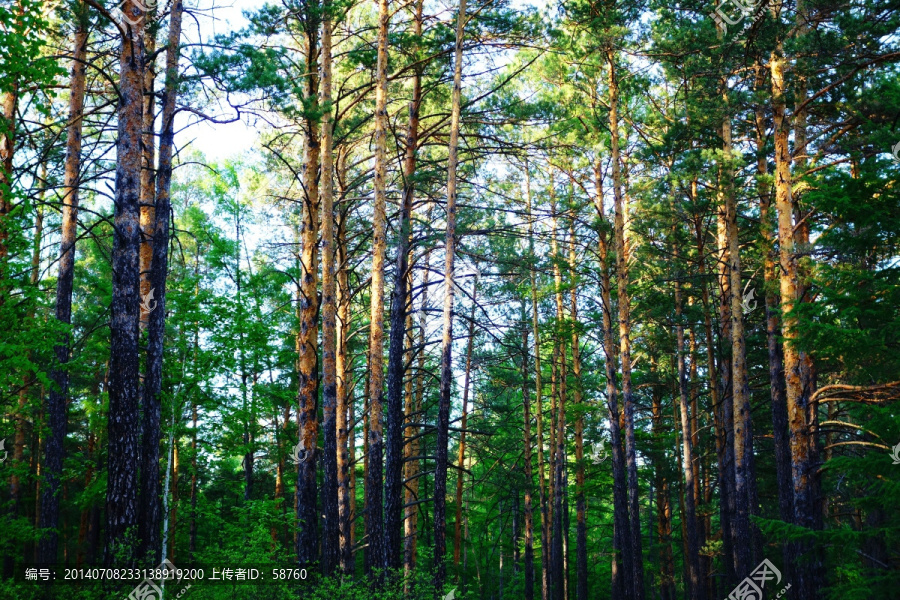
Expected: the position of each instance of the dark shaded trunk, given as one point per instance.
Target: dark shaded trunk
(54, 450)
(663, 513)
(307, 543)
(621, 567)
(461, 455)
(330, 510)
(393, 484)
(443, 422)
(151, 507)
(124, 388)
(581, 566)
(344, 393)
(529, 478)
(694, 588)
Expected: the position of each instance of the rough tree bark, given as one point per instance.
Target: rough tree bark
(307, 339)
(344, 392)
(331, 527)
(412, 447)
(124, 390)
(798, 403)
(400, 302)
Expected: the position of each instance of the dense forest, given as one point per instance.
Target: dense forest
(569, 300)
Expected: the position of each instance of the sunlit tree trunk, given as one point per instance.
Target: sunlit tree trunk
(637, 563)
(148, 153)
(443, 424)
(307, 340)
(331, 527)
(798, 404)
(376, 551)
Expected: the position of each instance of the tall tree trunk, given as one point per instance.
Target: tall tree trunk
(122, 508)
(412, 447)
(663, 510)
(740, 395)
(797, 395)
(159, 269)
(773, 329)
(581, 589)
(375, 550)
(344, 392)
(461, 454)
(331, 526)
(559, 489)
(637, 563)
(529, 478)
(56, 401)
(621, 567)
(399, 310)
(538, 401)
(694, 588)
(307, 342)
(148, 151)
(443, 424)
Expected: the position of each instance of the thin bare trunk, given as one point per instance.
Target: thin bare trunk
(622, 257)
(538, 402)
(375, 549)
(443, 424)
(461, 454)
